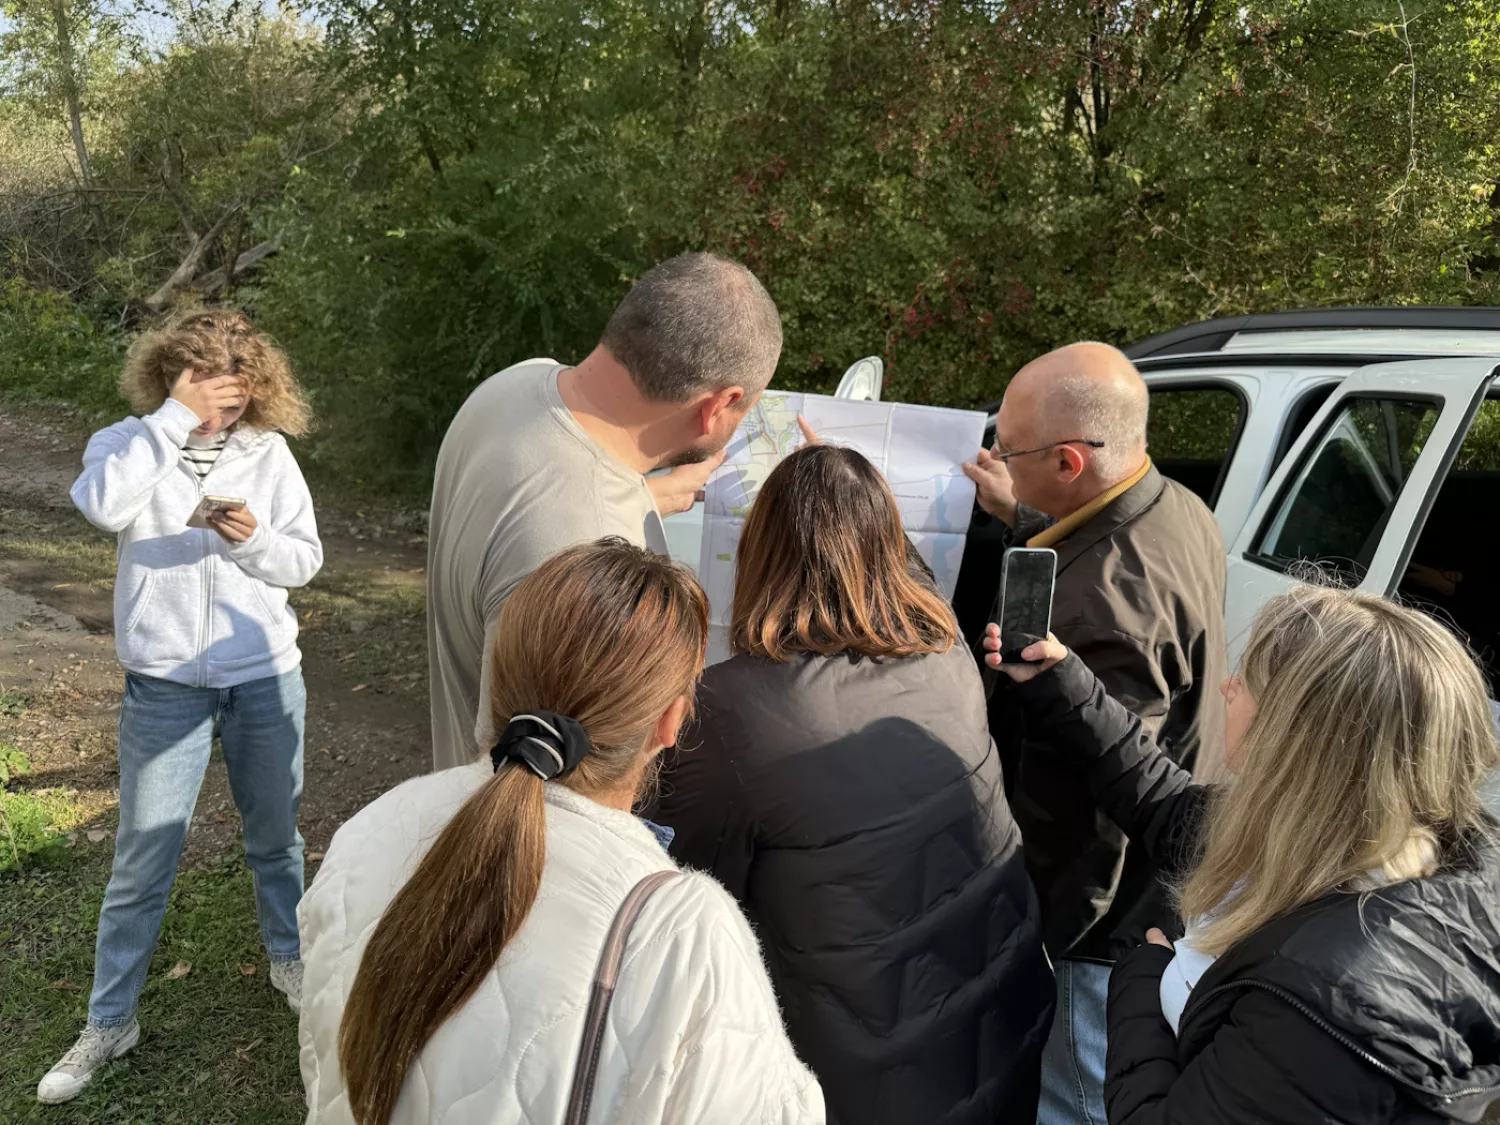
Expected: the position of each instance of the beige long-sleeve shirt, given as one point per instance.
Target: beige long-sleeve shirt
(518, 479)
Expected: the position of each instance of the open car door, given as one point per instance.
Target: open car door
(1354, 491)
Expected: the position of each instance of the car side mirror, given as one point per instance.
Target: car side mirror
(863, 380)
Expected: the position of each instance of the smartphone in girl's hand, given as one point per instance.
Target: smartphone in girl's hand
(207, 506)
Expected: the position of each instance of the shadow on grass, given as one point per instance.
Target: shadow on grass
(218, 1045)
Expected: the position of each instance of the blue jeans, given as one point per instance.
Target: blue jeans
(1073, 1060)
(166, 737)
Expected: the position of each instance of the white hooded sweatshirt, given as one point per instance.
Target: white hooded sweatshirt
(189, 606)
(693, 1035)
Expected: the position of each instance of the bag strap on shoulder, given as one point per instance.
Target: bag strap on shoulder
(605, 978)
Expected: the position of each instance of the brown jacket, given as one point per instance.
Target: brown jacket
(1140, 597)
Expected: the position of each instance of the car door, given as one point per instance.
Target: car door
(1355, 489)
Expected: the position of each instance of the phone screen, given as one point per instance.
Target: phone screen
(1026, 578)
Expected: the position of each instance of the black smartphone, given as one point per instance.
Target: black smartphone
(1026, 578)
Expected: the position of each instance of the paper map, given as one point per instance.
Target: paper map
(920, 449)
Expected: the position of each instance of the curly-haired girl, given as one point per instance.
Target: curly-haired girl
(207, 639)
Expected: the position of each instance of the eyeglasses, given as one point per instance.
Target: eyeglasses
(1004, 458)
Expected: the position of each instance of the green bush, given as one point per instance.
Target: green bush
(50, 350)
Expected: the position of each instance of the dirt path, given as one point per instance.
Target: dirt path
(363, 644)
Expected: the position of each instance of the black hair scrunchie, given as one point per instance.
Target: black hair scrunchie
(547, 743)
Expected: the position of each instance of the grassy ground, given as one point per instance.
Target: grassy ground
(219, 1045)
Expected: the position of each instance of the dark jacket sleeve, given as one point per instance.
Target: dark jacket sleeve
(1266, 1065)
(1130, 673)
(703, 801)
(1150, 797)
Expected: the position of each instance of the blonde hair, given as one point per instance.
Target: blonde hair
(1371, 736)
(607, 634)
(219, 342)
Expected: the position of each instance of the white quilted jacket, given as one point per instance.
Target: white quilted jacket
(694, 1035)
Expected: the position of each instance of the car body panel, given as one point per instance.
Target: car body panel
(1456, 385)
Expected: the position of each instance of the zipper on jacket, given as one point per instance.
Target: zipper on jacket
(207, 571)
(1338, 1036)
(204, 629)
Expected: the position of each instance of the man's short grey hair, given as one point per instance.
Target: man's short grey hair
(1103, 412)
(696, 323)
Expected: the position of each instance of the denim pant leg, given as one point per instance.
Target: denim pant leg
(1073, 1060)
(262, 735)
(166, 736)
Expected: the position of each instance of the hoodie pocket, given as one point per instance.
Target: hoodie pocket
(142, 602)
(267, 597)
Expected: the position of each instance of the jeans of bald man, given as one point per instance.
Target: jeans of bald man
(166, 738)
(1073, 1059)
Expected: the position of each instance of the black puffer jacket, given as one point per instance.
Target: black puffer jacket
(1370, 1009)
(857, 811)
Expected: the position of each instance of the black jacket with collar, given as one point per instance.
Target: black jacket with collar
(1375, 1008)
(1140, 597)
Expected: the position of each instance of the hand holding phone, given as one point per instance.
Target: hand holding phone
(1042, 656)
(234, 525)
(210, 506)
(1027, 575)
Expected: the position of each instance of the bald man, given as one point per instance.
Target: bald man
(1140, 597)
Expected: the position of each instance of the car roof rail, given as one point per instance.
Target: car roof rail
(1212, 335)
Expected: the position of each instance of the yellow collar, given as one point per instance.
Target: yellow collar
(1069, 524)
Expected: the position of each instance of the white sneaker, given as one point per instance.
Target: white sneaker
(286, 977)
(96, 1046)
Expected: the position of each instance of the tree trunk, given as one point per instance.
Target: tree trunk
(69, 76)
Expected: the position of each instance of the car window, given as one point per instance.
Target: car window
(1191, 432)
(1298, 417)
(1454, 571)
(1337, 505)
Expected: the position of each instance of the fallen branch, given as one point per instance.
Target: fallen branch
(189, 265)
(215, 280)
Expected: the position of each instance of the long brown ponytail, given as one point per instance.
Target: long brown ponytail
(605, 633)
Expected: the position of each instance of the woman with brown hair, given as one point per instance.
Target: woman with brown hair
(842, 784)
(452, 935)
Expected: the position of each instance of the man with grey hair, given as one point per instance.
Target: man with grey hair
(1140, 597)
(543, 456)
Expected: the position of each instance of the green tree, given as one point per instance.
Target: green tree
(455, 185)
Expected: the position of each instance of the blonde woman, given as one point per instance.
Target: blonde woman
(207, 639)
(453, 931)
(1342, 958)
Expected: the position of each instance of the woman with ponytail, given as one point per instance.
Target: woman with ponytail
(452, 935)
